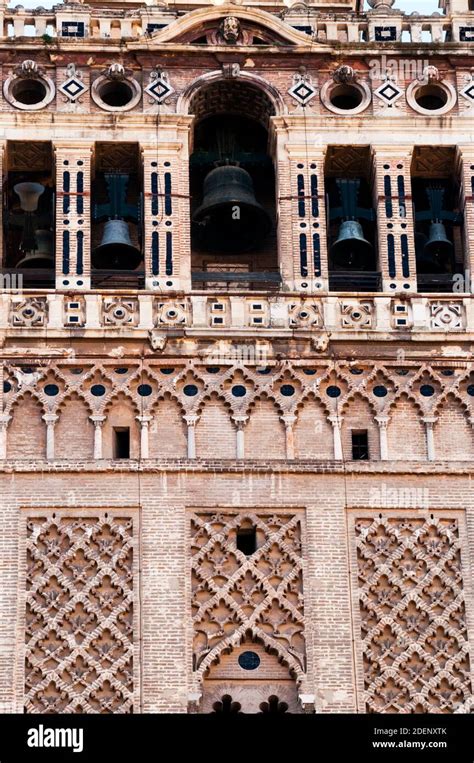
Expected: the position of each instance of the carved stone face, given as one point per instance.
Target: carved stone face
(230, 29)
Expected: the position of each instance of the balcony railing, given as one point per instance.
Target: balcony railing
(351, 280)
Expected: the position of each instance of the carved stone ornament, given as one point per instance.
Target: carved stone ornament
(344, 74)
(430, 74)
(28, 69)
(157, 340)
(115, 72)
(230, 29)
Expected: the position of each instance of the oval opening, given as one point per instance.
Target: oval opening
(28, 91)
(346, 97)
(431, 97)
(116, 94)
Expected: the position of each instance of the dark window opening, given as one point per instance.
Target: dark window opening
(122, 442)
(247, 540)
(360, 445)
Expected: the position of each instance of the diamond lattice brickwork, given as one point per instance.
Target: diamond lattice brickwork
(235, 594)
(414, 637)
(79, 619)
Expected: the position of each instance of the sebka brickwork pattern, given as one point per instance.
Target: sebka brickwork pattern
(79, 614)
(412, 611)
(260, 594)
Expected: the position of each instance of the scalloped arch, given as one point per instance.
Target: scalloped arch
(228, 644)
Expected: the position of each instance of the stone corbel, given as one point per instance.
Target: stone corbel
(157, 340)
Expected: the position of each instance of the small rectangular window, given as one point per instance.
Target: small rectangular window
(360, 445)
(122, 442)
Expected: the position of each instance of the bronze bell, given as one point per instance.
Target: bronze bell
(41, 257)
(230, 219)
(116, 251)
(351, 250)
(438, 249)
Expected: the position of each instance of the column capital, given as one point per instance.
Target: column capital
(240, 421)
(429, 420)
(144, 420)
(97, 419)
(5, 419)
(382, 421)
(289, 419)
(336, 420)
(191, 419)
(50, 418)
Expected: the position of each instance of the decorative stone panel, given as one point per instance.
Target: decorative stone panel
(446, 315)
(414, 643)
(234, 593)
(29, 312)
(79, 618)
(357, 315)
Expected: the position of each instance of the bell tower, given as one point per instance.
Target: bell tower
(236, 377)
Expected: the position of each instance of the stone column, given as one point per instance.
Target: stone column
(466, 174)
(191, 421)
(4, 422)
(302, 245)
(144, 422)
(395, 227)
(240, 423)
(382, 421)
(430, 421)
(336, 422)
(3, 253)
(50, 419)
(166, 219)
(289, 420)
(98, 422)
(73, 215)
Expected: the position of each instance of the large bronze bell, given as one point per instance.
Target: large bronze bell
(438, 249)
(116, 251)
(230, 219)
(351, 251)
(41, 257)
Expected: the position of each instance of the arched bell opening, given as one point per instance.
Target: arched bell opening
(232, 186)
(249, 679)
(116, 231)
(29, 217)
(352, 234)
(437, 218)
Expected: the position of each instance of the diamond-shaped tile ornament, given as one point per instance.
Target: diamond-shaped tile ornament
(159, 88)
(388, 92)
(468, 91)
(73, 86)
(302, 89)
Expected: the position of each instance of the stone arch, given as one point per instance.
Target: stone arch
(276, 105)
(267, 688)
(74, 431)
(313, 432)
(453, 434)
(167, 433)
(215, 432)
(26, 438)
(264, 432)
(406, 431)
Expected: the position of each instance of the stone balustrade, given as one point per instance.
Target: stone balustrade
(131, 313)
(76, 21)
